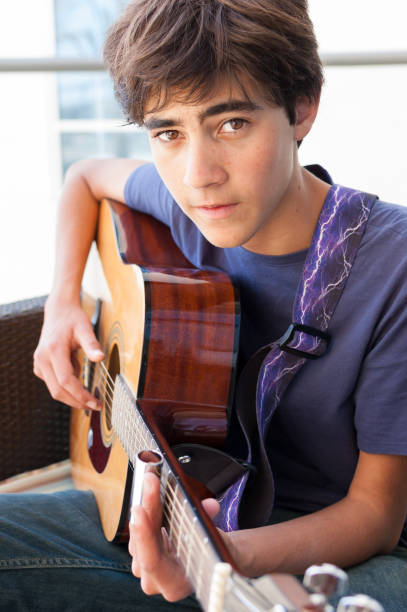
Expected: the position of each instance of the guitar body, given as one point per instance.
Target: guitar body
(171, 331)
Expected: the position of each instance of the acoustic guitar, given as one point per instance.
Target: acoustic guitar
(170, 335)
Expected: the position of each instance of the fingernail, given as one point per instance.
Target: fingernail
(93, 405)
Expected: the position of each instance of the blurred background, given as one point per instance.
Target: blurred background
(53, 112)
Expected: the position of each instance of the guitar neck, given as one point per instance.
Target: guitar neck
(194, 546)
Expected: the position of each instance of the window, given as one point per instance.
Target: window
(90, 120)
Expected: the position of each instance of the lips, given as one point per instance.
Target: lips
(217, 210)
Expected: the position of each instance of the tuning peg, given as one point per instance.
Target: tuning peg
(359, 603)
(326, 579)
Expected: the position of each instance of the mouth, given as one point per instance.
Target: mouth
(217, 210)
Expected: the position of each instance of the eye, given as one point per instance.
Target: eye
(167, 136)
(233, 125)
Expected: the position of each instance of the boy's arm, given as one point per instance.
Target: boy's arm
(367, 522)
(66, 327)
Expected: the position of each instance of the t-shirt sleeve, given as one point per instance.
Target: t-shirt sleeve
(381, 394)
(146, 192)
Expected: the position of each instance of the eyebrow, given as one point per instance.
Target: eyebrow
(224, 107)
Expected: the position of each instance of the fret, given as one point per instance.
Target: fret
(189, 549)
(169, 499)
(182, 534)
(204, 560)
(128, 423)
(199, 587)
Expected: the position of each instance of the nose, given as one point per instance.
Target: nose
(203, 166)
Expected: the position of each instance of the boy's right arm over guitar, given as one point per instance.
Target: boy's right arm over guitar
(66, 327)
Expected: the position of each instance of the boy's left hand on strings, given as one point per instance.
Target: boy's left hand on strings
(153, 560)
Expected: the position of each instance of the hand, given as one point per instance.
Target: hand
(153, 560)
(66, 328)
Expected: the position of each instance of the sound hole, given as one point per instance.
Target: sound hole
(101, 434)
(113, 370)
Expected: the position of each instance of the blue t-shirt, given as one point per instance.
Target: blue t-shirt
(355, 397)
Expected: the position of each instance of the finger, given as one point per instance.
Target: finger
(159, 572)
(166, 541)
(132, 546)
(135, 568)
(135, 565)
(76, 364)
(146, 540)
(152, 500)
(211, 507)
(56, 370)
(57, 392)
(86, 339)
(65, 376)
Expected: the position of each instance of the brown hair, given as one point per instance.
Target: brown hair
(160, 46)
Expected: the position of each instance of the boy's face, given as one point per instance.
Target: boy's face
(231, 165)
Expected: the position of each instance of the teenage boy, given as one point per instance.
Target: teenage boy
(227, 89)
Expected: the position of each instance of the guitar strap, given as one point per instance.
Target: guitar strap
(268, 373)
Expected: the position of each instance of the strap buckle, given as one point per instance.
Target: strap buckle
(312, 331)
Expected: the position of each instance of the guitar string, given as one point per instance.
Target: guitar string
(172, 508)
(179, 548)
(106, 378)
(180, 544)
(107, 382)
(111, 387)
(170, 503)
(111, 399)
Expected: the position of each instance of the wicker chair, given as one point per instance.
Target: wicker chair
(35, 431)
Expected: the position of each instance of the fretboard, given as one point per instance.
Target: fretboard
(187, 534)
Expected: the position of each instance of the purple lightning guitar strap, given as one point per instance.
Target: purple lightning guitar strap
(329, 260)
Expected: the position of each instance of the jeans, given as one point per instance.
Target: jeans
(54, 557)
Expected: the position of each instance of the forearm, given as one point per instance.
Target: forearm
(66, 325)
(345, 533)
(76, 224)
(86, 183)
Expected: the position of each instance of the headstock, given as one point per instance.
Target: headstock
(283, 593)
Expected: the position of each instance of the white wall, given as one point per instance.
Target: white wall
(29, 163)
(360, 133)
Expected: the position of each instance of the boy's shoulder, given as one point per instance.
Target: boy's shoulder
(388, 220)
(382, 258)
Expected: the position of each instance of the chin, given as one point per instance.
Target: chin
(222, 241)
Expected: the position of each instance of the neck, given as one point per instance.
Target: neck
(292, 226)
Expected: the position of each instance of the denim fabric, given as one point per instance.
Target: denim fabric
(383, 577)
(54, 557)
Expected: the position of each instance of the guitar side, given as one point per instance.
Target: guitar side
(99, 461)
(171, 331)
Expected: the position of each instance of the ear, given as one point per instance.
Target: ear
(306, 112)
